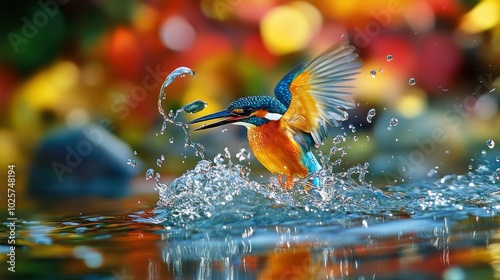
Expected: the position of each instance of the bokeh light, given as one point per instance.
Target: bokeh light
(485, 15)
(177, 34)
(289, 28)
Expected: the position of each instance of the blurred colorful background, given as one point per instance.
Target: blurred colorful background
(79, 82)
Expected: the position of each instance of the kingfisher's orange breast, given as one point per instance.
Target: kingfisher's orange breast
(276, 149)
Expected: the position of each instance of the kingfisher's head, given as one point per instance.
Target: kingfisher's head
(248, 111)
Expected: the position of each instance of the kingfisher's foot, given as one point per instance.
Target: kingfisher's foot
(280, 181)
(286, 185)
(289, 182)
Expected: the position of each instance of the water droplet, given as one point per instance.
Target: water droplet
(373, 73)
(132, 162)
(355, 138)
(228, 197)
(371, 113)
(496, 174)
(490, 143)
(497, 158)
(345, 116)
(393, 122)
(218, 159)
(411, 81)
(368, 137)
(149, 173)
(159, 161)
(380, 70)
(352, 128)
(447, 152)
(135, 152)
(243, 155)
(470, 167)
(227, 154)
(171, 140)
(389, 57)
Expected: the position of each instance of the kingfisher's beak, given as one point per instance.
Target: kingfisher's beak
(229, 118)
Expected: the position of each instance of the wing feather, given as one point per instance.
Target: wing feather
(317, 93)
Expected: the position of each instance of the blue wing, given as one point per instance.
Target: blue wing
(316, 93)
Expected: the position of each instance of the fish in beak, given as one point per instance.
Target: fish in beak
(229, 118)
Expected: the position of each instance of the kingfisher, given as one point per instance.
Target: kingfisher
(283, 130)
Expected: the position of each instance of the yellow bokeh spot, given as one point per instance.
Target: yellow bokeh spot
(483, 16)
(144, 18)
(412, 104)
(288, 28)
(46, 89)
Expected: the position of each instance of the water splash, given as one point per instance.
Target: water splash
(220, 194)
(192, 107)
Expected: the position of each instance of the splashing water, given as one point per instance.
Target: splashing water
(192, 107)
(219, 195)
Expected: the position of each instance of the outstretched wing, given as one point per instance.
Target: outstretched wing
(317, 92)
